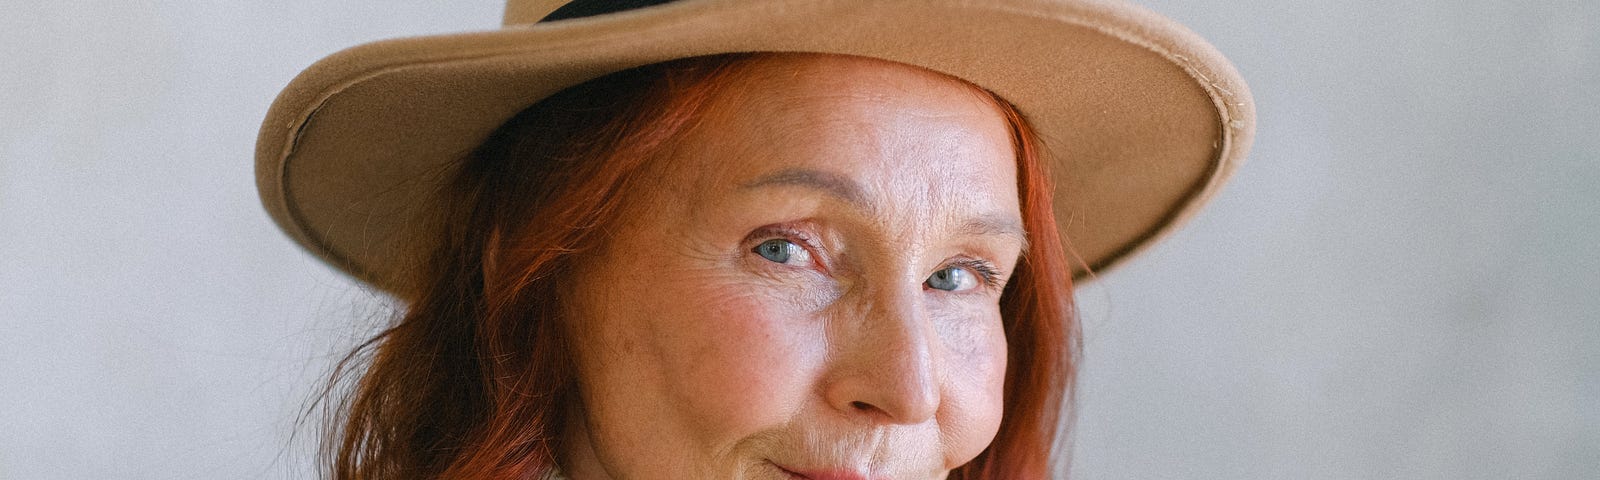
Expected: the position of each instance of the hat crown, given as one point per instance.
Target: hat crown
(522, 12)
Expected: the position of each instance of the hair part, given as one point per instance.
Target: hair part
(474, 380)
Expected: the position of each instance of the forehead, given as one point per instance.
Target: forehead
(894, 129)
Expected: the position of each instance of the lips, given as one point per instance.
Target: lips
(821, 474)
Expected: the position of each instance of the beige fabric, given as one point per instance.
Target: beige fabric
(529, 11)
(1143, 120)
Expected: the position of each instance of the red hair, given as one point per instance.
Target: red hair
(474, 380)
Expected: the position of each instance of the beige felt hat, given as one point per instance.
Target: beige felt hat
(1142, 119)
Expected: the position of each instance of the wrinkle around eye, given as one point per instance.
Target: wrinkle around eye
(806, 287)
(801, 289)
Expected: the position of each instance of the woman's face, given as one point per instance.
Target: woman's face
(805, 286)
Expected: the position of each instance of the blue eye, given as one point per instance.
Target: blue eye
(952, 279)
(782, 251)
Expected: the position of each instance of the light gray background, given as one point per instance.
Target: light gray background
(1400, 284)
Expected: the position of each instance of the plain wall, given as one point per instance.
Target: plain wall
(1401, 283)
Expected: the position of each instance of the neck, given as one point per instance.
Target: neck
(577, 456)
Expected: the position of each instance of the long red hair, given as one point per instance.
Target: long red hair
(474, 381)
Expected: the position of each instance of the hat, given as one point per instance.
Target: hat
(1141, 119)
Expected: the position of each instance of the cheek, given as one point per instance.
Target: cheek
(737, 359)
(975, 389)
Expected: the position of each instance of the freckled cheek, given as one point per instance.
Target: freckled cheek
(742, 358)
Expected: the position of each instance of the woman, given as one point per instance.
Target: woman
(631, 245)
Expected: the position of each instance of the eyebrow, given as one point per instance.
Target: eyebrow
(842, 187)
(833, 184)
(996, 225)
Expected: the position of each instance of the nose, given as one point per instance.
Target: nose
(886, 365)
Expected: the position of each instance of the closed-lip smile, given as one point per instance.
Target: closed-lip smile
(824, 474)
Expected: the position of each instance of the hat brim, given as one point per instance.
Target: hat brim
(1142, 119)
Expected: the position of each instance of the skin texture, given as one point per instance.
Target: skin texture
(699, 357)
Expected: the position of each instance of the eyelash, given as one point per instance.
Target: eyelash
(985, 270)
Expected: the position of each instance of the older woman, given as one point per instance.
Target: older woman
(713, 239)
